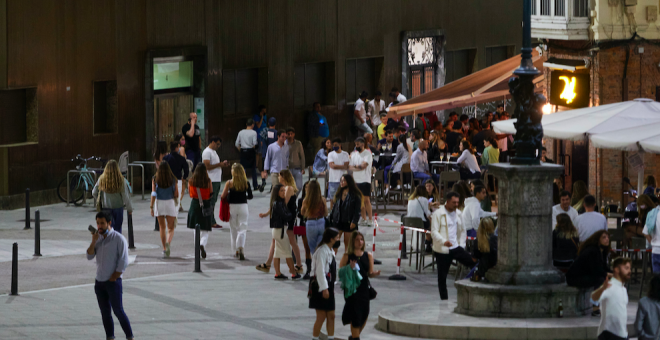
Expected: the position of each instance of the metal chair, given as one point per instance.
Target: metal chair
(414, 222)
(380, 191)
(447, 177)
(407, 173)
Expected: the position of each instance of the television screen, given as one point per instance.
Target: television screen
(173, 75)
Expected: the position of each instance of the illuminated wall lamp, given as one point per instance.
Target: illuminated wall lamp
(547, 109)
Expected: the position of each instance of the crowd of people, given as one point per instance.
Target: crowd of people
(324, 218)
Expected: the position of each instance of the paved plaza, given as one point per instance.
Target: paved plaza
(164, 299)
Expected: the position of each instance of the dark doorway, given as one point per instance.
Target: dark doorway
(580, 162)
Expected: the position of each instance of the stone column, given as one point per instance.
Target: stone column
(525, 225)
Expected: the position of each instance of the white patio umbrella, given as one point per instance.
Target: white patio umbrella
(629, 126)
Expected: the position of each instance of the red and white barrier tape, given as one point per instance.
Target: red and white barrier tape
(633, 250)
(428, 232)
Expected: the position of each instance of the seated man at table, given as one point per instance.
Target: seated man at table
(387, 148)
(591, 221)
(419, 164)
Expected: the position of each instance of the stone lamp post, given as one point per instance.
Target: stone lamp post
(524, 283)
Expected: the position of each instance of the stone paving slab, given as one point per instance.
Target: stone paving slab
(50, 248)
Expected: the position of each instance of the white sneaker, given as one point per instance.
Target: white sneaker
(363, 223)
(387, 190)
(398, 187)
(370, 224)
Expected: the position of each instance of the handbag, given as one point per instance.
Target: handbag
(224, 210)
(206, 211)
(300, 229)
(372, 293)
(99, 205)
(313, 286)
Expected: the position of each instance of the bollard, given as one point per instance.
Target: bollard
(373, 250)
(398, 276)
(14, 269)
(131, 244)
(37, 233)
(27, 209)
(198, 267)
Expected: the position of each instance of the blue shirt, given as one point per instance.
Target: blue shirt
(324, 129)
(320, 161)
(111, 254)
(264, 124)
(277, 158)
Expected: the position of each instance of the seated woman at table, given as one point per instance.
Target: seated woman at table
(418, 206)
(402, 157)
(491, 153)
(437, 147)
(649, 185)
(635, 229)
(434, 194)
(590, 268)
(565, 240)
(469, 168)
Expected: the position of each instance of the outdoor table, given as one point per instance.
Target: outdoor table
(445, 164)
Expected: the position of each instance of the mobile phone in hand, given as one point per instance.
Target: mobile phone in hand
(91, 229)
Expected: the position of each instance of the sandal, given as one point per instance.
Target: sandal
(300, 269)
(263, 268)
(281, 277)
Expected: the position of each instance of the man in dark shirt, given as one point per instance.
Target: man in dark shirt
(452, 137)
(481, 136)
(179, 167)
(317, 127)
(387, 147)
(191, 133)
(544, 156)
(268, 136)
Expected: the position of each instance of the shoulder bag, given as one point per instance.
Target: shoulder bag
(206, 211)
(224, 210)
(99, 205)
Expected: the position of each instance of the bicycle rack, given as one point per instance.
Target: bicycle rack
(68, 184)
(140, 164)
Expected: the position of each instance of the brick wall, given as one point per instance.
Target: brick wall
(608, 167)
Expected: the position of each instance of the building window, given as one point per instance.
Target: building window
(363, 75)
(498, 54)
(105, 107)
(421, 51)
(314, 82)
(581, 8)
(545, 7)
(459, 64)
(244, 90)
(560, 8)
(19, 116)
(421, 60)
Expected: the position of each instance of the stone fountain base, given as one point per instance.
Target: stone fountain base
(505, 301)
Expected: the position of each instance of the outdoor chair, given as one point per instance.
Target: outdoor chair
(447, 178)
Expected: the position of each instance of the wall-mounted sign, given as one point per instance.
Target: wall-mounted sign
(569, 89)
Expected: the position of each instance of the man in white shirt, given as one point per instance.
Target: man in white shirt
(214, 168)
(564, 207)
(473, 213)
(419, 163)
(652, 233)
(246, 143)
(337, 166)
(360, 164)
(375, 106)
(448, 233)
(613, 298)
(589, 222)
(399, 97)
(360, 113)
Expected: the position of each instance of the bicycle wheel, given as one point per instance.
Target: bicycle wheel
(76, 192)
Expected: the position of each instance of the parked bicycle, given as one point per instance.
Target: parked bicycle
(80, 184)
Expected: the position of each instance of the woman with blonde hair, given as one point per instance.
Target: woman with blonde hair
(580, 191)
(565, 243)
(164, 193)
(113, 193)
(286, 178)
(239, 191)
(200, 189)
(289, 184)
(486, 251)
(356, 308)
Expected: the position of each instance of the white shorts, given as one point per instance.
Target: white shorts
(165, 208)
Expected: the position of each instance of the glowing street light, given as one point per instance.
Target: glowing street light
(547, 109)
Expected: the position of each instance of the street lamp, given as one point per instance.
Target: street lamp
(528, 140)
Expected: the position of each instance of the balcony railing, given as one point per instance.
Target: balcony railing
(560, 19)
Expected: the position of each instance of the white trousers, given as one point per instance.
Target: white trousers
(238, 225)
(203, 237)
(179, 186)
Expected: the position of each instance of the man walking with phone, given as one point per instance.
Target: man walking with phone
(111, 252)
